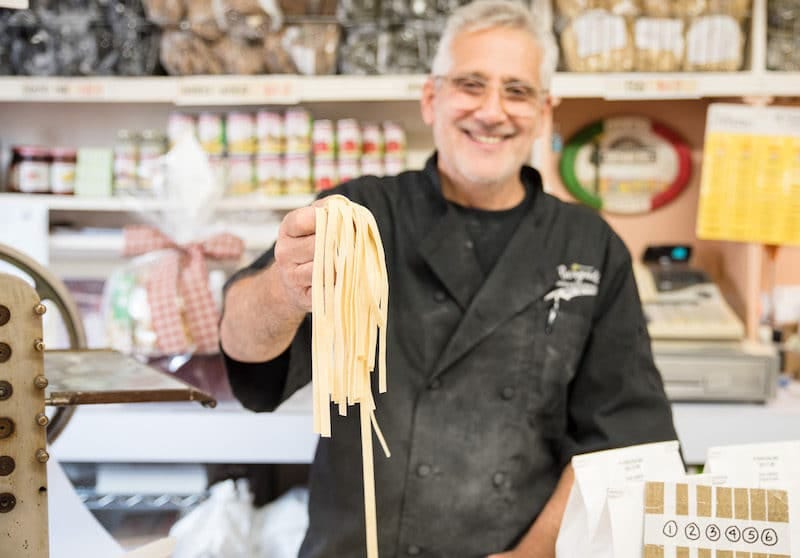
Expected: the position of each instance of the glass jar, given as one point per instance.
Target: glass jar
(126, 157)
(62, 170)
(152, 146)
(29, 171)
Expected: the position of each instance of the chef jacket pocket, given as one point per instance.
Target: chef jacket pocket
(556, 357)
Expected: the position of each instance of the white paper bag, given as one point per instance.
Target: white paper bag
(767, 465)
(604, 513)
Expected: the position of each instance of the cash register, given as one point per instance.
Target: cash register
(698, 340)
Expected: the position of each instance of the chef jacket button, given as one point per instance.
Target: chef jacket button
(439, 296)
(469, 245)
(423, 470)
(413, 550)
(498, 479)
(436, 383)
(508, 393)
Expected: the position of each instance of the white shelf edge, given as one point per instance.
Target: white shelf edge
(284, 90)
(130, 205)
(101, 246)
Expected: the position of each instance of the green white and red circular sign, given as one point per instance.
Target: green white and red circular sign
(626, 164)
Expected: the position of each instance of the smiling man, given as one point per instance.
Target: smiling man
(516, 338)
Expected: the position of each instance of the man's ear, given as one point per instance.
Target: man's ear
(545, 115)
(426, 100)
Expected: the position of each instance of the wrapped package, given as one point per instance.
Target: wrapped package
(183, 53)
(203, 19)
(312, 47)
(359, 51)
(739, 9)
(783, 44)
(574, 8)
(674, 8)
(659, 44)
(276, 59)
(240, 56)
(714, 43)
(299, 8)
(409, 48)
(246, 19)
(598, 41)
(165, 13)
(166, 300)
(355, 11)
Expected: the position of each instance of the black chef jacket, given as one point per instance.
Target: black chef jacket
(493, 385)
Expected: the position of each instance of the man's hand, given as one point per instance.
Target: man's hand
(509, 554)
(263, 310)
(294, 255)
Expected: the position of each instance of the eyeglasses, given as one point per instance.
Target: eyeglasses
(519, 98)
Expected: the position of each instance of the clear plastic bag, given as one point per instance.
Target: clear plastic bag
(78, 38)
(183, 53)
(167, 300)
(219, 527)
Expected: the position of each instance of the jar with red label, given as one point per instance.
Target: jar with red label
(62, 170)
(29, 171)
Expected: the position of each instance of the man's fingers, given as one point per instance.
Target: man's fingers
(295, 250)
(302, 274)
(300, 222)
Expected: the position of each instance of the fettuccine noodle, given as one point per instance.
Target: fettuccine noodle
(349, 297)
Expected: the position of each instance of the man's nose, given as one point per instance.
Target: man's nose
(490, 109)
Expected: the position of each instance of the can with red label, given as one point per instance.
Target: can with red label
(348, 136)
(324, 174)
(395, 138)
(323, 139)
(372, 141)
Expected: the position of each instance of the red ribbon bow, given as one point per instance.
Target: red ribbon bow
(185, 269)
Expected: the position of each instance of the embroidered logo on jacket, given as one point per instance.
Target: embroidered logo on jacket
(575, 280)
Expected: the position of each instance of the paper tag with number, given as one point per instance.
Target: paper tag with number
(699, 521)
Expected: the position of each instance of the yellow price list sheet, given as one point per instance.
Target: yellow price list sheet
(750, 183)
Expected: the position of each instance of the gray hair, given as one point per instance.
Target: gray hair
(489, 14)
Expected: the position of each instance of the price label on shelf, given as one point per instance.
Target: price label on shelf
(59, 89)
(414, 86)
(223, 90)
(683, 519)
(652, 87)
(87, 90)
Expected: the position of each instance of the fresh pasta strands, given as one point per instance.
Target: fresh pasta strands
(349, 298)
